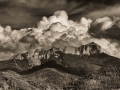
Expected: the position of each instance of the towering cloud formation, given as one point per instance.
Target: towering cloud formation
(58, 28)
(58, 31)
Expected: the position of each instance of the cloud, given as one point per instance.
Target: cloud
(57, 30)
(105, 11)
(10, 42)
(58, 26)
(93, 8)
(106, 32)
(34, 10)
(106, 27)
(28, 39)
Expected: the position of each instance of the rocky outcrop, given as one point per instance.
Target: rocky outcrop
(40, 55)
(89, 49)
(36, 56)
(57, 53)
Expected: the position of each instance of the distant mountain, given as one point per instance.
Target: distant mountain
(36, 57)
(90, 58)
(90, 69)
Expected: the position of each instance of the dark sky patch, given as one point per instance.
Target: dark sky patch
(28, 39)
(112, 33)
(26, 13)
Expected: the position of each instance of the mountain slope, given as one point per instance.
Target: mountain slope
(53, 76)
(73, 73)
(95, 71)
(45, 79)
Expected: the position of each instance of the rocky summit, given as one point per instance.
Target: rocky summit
(36, 57)
(89, 49)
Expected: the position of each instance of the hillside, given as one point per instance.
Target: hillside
(93, 70)
(72, 73)
(52, 75)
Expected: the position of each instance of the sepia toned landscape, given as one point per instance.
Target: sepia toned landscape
(59, 45)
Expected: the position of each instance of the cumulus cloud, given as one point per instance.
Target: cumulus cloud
(58, 27)
(59, 31)
(10, 42)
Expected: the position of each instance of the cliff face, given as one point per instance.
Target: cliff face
(36, 56)
(89, 49)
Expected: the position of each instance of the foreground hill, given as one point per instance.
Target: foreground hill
(44, 79)
(99, 72)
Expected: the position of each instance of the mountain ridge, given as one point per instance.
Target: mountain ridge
(74, 72)
(36, 57)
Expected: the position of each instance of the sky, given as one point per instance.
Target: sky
(59, 23)
(26, 13)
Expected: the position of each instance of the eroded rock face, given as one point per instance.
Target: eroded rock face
(20, 56)
(36, 56)
(58, 53)
(89, 49)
